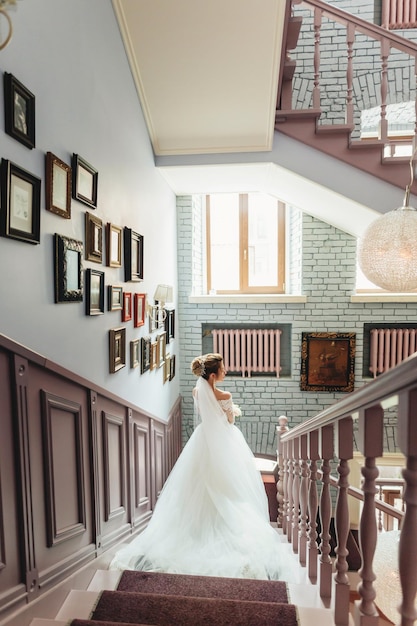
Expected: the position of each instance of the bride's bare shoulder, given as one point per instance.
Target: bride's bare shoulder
(222, 395)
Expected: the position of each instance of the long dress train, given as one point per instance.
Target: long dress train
(211, 517)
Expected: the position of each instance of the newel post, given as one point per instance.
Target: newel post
(407, 440)
(370, 444)
(281, 429)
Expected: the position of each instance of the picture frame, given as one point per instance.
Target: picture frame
(58, 181)
(21, 203)
(170, 324)
(68, 279)
(154, 355)
(113, 245)
(115, 298)
(172, 367)
(139, 309)
(134, 353)
(84, 181)
(145, 354)
(153, 317)
(127, 306)
(117, 349)
(19, 111)
(167, 367)
(161, 340)
(93, 238)
(328, 361)
(94, 292)
(133, 255)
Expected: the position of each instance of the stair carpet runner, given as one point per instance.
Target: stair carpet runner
(164, 599)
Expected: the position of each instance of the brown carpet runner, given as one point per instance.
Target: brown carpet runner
(204, 586)
(121, 607)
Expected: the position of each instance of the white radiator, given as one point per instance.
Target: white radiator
(249, 350)
(390, 346)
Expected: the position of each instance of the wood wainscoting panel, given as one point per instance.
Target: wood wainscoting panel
(141, 450)
(159, 465)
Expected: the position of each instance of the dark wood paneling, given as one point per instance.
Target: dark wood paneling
(64, 468)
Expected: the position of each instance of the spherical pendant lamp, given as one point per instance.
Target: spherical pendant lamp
(387, 252)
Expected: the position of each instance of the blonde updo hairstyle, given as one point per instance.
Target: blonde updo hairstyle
(206, 364)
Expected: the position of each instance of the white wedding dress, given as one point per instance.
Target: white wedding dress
(211, 517)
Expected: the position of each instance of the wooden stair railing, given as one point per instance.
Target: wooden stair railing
(329, 436)
(379, 156)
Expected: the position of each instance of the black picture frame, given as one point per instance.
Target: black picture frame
(117, 349)
(58, 180)
(170, 324)
(94, 292)
(133, 255)
(93, 238)
(20, 203)
(328, 361)
(19, 111)
(84, 181)
(68, 269)
(145, 363)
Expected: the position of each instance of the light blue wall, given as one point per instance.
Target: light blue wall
(71, 56)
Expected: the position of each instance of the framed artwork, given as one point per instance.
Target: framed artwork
(93, 238)
(19, 111)
(328, 361)
(167, 367)
(172, 367)
(117, 349)
(84, 181)
(153, 317)
(170, 324)
(115, 298)
(127, 306)
(94, 292)
(20, 203)
(134, 353)
(113, 245)
(58, 177)
(154, 355)
(162, 345)
(133, 255)
(145, 363)
(139, 309)
(68, 269)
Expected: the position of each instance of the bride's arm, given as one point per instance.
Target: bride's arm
(226, 403)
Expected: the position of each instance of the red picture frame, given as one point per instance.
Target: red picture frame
(139, 309)
(127, 306)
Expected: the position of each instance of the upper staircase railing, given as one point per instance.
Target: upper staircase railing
(328, 438)
(338, 68)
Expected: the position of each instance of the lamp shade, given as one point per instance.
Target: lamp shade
(163, 294)
(387, 252)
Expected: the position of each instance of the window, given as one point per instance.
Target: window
(245, 243)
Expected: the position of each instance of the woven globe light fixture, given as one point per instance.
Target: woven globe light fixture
(388, 249)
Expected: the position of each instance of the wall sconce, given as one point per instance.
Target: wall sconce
(162, 295)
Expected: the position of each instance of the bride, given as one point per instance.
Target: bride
(211, 517)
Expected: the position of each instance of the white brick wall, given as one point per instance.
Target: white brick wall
(328, 280)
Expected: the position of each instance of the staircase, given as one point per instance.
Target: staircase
(114, 597)
(327, 117)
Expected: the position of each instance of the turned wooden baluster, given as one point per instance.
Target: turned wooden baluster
(407, 441)
(313, 455)
(281, 429)
(383, 123)
(326, 453)
(302, 536)
(316, 82)
(350, 40)
(296, 495)
(344, 442)
(370, 444)
(290, 465)
(285, 488)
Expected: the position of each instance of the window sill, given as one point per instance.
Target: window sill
(384, 297)
(247, 298)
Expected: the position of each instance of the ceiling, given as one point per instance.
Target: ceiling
(207, 74)
(206, 71)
